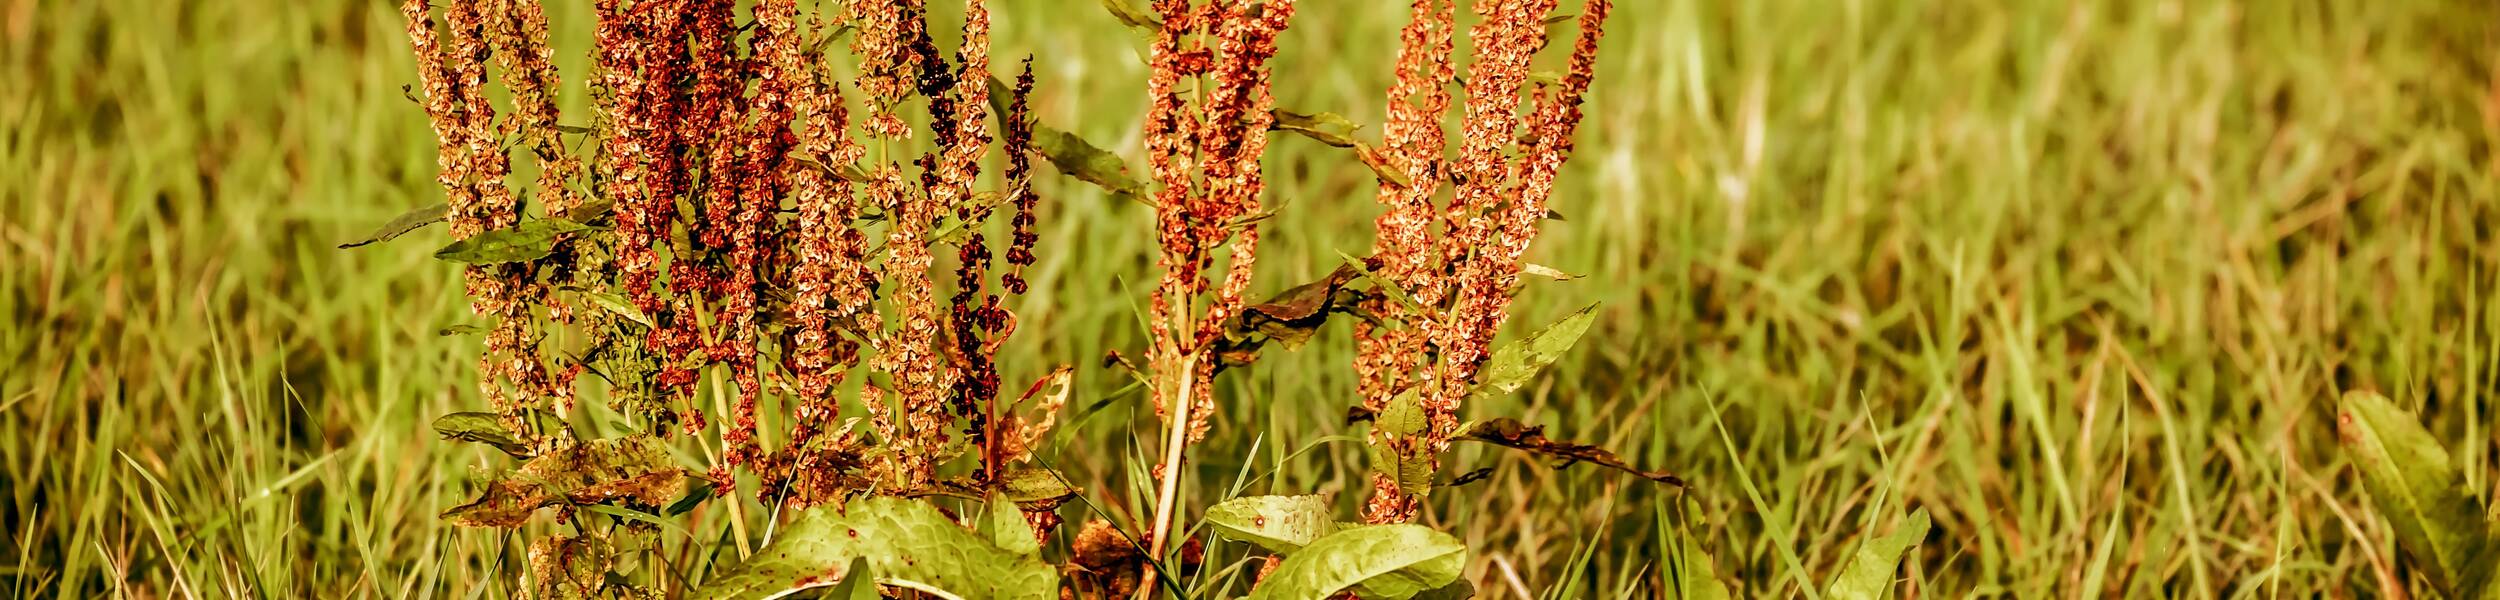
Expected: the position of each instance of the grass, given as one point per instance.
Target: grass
(2081, 280)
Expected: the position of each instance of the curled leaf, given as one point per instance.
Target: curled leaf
(527, 241)
(1510, 433)
(402, 224)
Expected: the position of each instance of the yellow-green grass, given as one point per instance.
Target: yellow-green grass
(2081, 279)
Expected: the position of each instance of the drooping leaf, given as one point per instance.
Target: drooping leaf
(1411, 474)
(696, 493)
(1083, 160)
(1007, 528)
(1327, 128)
(480, 427)
(1393, 562)
(1547, 272)
(1869, 572)
(1510, 433)
(1281, 524)
(1291, 317)
(402, 224)
(504, 504)
(1514, 364)
(527, 241)
(2413, 484)
(907, 543)
(615, 304)
(1404, 415)
(1130, 15)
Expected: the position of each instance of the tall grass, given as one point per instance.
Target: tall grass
(2080, 279)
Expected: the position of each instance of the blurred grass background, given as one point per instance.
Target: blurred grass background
(2079, 278)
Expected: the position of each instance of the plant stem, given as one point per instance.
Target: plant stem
(1175, 439)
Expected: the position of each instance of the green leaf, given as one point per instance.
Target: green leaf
(1008, 529)
(1328, 128)
(480, 427)
(907, 543)
(1281, 524)
(615, 304)
(1412, 474)
(1869, 573)
(404, 223)
(530, 240)
(860, 583)
(1517, 362)
(1035, 484)
(1393, 562)
(1403, 416)
(1129, 15)
(1085, 161)
(2413, 484)
(1693, 575)
(461, 329)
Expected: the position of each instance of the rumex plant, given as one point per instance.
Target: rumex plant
(738, 237)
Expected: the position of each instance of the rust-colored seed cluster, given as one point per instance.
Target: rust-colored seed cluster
(1460, 260)
(473, 167)
(1203, 146)
(740, 204)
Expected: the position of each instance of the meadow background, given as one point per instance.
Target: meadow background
(2081, 279)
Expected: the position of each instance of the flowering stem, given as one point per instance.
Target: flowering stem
(1175, 438)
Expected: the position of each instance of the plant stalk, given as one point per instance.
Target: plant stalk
(1175, 439)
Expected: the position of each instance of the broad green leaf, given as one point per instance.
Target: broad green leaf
(1281, 524)
(480, 427)
(2413, 484)
(1517, 362)
(906, 542)
(530, 240)
(1007, 528)
(404, 223)
(1412, 474)
(859, 583)
(1393, 562)
(1869, 573)
(1085, 161)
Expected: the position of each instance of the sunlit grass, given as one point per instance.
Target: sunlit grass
(2080, 280)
